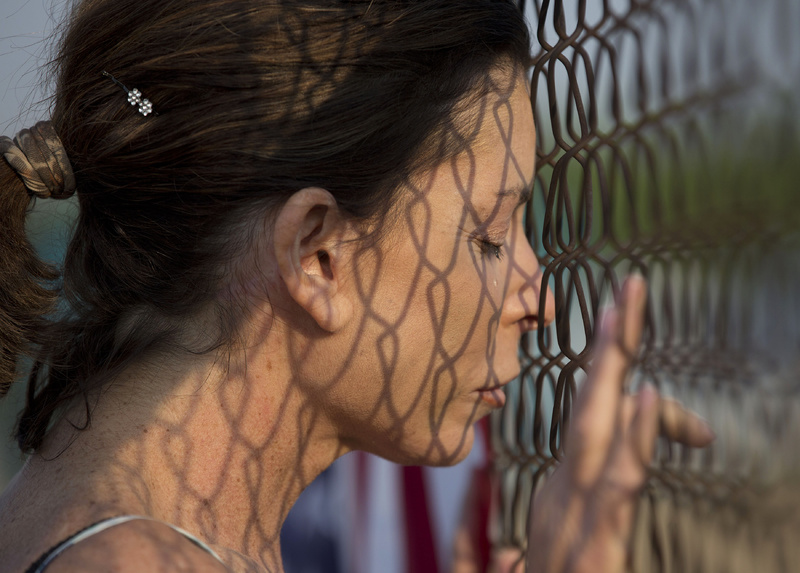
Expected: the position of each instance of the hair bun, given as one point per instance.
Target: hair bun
(40, 160)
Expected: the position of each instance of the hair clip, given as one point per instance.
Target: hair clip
(134, 97)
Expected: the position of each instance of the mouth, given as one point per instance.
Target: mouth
(493, 394)
(494, 397)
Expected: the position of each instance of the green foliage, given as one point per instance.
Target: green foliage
(682, 186)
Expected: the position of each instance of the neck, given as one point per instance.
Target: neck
(221, 453)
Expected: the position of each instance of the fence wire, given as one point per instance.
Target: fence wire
(667, 143)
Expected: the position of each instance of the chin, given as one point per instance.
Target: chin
(449, 447)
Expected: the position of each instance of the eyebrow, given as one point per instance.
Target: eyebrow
(523, 194)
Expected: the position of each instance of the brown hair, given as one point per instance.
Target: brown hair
(254, 100)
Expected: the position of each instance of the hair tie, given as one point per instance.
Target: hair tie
(40, 160)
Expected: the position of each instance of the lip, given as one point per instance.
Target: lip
(494, 397)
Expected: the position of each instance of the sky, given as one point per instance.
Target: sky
(24, 26)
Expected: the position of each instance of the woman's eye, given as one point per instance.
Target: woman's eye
(491, 249)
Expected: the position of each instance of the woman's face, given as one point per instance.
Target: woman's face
(445, 297)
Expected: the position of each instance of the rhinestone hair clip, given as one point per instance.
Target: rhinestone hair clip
(134, 97)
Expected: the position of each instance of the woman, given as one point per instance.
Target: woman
(304, 238)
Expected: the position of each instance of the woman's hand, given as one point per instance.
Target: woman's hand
(583, 516)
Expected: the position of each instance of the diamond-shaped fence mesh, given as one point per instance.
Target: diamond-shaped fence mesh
(668, 144)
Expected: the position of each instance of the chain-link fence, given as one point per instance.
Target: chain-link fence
(666, 143)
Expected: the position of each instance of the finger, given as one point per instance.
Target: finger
(507, 560)
(628, 409)
(597, 406)
(598, 401)
(644, 429)
(683, 426)
(627, 471)
(634, 298)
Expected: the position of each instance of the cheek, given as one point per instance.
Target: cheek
(488, 281)
(500, 339)
(479, 288)
(445, 306)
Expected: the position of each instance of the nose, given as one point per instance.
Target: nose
(524, 297)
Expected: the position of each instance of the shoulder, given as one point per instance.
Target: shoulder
(134, 546)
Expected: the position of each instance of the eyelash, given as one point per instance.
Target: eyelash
(490, 248)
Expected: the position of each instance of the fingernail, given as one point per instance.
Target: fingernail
(605, 318)
(633, 283)
(648, 394)
(710, 435)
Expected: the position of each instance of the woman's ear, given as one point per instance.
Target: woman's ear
(308, 239)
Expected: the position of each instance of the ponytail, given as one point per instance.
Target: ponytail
(24, 296)
(33, 164)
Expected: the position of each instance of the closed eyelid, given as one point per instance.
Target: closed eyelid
(485, 233)
(523, 194)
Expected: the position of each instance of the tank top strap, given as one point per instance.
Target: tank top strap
(40, 564)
